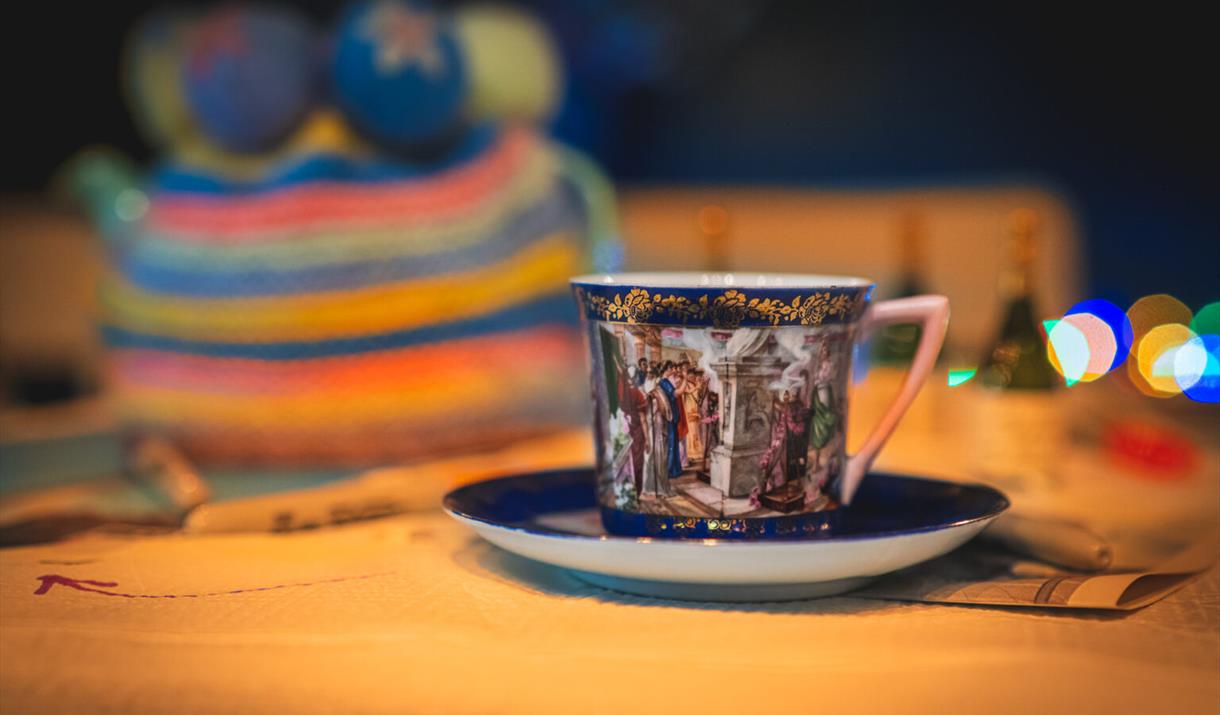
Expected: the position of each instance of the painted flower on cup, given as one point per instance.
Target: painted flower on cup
(728, 309)
(731, 309)
(813, 311)
(816, 307)
(637, 306)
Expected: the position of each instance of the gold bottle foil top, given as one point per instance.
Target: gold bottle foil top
(713, 224)
(912, 236)
(1022, 226)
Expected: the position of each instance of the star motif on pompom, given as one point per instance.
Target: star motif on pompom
(403, 36)
(220, 36)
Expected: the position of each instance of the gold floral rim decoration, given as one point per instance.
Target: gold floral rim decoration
(727, 310)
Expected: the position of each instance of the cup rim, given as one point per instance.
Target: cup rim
(709, 280)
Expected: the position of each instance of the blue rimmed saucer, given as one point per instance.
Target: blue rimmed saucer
(893, 522)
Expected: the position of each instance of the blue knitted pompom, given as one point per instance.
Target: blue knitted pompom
(249, 76)
(397, 72)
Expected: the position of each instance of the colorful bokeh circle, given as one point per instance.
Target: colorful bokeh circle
(1171, 350)
(1082, 347)
(1207, 320)
(1196, 367)
(1153, 311)
(1156, 357)
(1114, 317)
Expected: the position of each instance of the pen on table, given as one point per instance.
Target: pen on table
(1058, 542)
(166, 474)
(384, 491)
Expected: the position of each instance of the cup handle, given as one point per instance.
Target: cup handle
(931, 313)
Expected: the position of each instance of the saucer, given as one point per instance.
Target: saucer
(893, 522)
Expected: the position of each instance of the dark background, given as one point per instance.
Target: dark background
(1116, 109)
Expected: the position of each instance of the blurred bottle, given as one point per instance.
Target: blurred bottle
(1017, 358)
(896, 344)
(1018, 424)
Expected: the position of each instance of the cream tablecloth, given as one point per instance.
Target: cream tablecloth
(415, 615)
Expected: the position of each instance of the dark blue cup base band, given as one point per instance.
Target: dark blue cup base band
(796, 526)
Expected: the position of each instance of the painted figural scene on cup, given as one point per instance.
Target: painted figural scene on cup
(743, 422)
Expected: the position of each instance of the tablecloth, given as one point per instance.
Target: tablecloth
(414, 614)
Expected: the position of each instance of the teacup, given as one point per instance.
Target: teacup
(721, 399)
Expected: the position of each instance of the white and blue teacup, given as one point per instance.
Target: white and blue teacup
(721, 399)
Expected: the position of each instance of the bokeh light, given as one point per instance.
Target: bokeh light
(1156, 358)
(1115, 318)
(1137, 380)
(1196, 367)
(1207, 320)
(1152, 311)
(130, 205)
(961, 375)
(1171, 350)
(1081, 347)
(1067, 349)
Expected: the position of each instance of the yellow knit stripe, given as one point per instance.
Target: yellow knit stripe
(535, 271)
